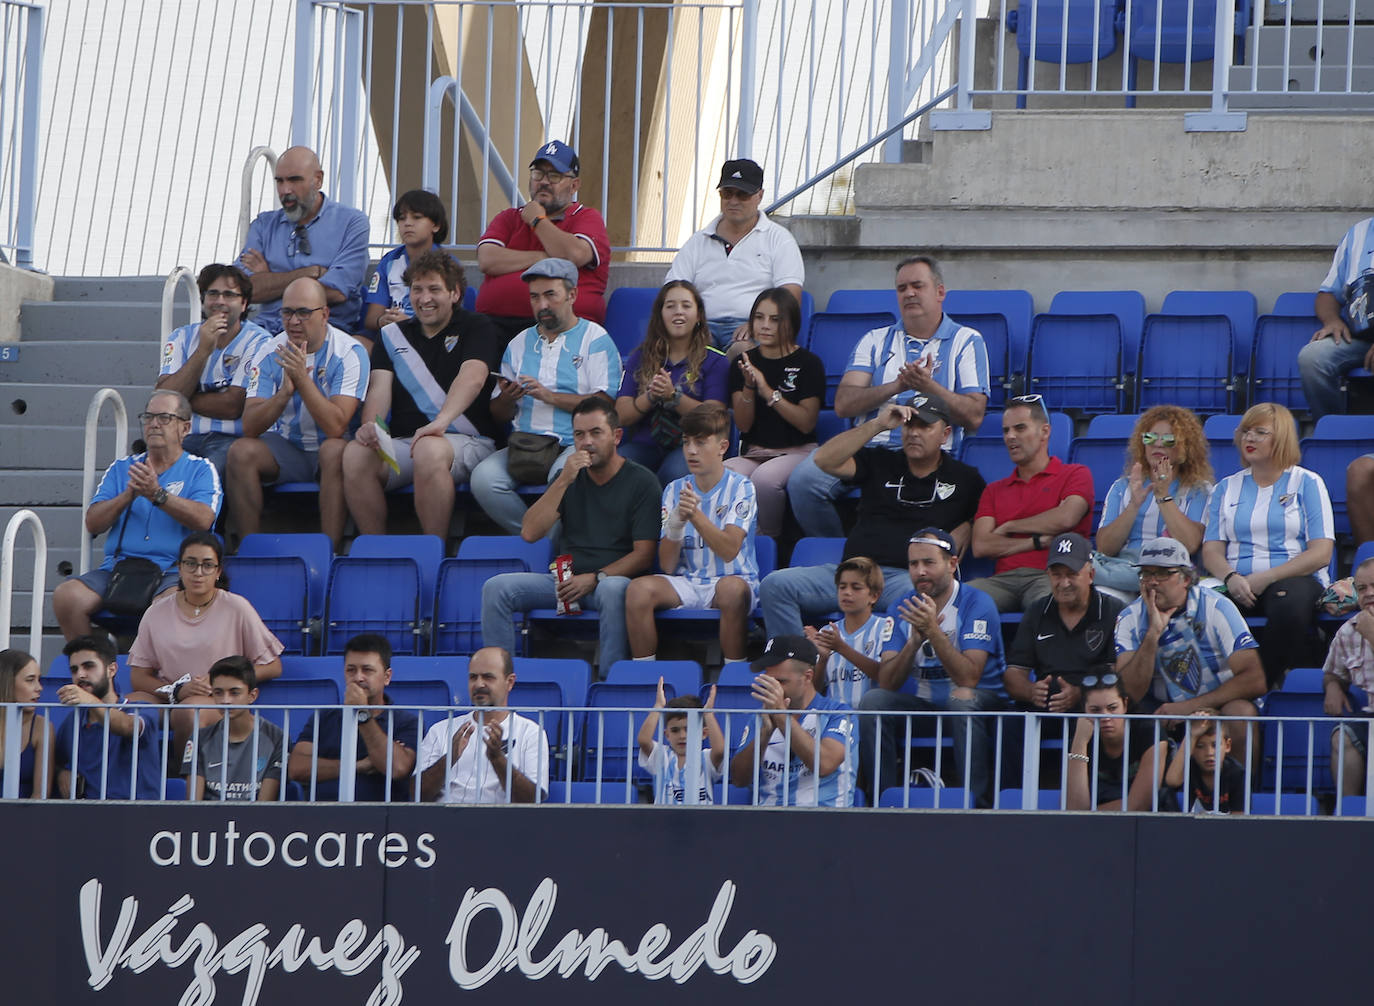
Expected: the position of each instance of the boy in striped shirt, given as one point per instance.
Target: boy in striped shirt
(851, 647)
(667, 762)
(709, 520)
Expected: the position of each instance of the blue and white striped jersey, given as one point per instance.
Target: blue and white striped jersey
(580, 361)
(844, 681)
(780, 769)
(1149, 523)
(970, 620)
(339, 367)
(961, 365)
(731, 503)
(670, 776)
(1194, 649)
(1266, 526)
(226, 368)
(1348, 280)
(386, 287)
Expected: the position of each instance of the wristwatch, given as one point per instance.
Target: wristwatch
(364, 715)
(159, 497)
(600, 575)
(775, 398)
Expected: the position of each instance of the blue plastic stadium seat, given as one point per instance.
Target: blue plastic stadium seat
(278, 588)
(536, 555)
(589, 792)
(1297, 304)
(1127, 306)
(296, 692)
(1106, 459)
(833, 337)
(548, 684)
(925, 798)
(627, 315)
(1014, 799)
(1120, 426)
(451, 670)
(1274, 375)
(1288, 805)
(683, 676)
(1328, 453)
(1352, 806)
(1302, 696)
(1239, 306)
(829, 425)
(817, 551)
(1076, 362)
(864, 302)
(413, 693)
(426, 549)
(375, 595)
(609, 744)
(1186, 360)
(1004, 319)
(315, 550)
(1042, 34)
(458, 602)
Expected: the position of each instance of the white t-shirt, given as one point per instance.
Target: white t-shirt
(471, 779)
(670, 777)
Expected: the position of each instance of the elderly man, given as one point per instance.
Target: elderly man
(553, 224)
(481, 756)
(208, 362)
(545, 372)
(1345, 307)
(149, 502)
(310, 236)
(302, 393)
(926, 354)
(738, 254)
(1350, 667)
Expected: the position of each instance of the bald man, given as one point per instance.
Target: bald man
(310, 237)
(303, 389)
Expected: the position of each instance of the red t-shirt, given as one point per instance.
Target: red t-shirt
(509, 295)
(1013, 498)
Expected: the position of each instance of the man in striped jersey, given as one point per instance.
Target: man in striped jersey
(547, 369)
(1345, 307)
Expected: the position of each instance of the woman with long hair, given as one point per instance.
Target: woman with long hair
(672, 371)
(1136, 770)
(21, 682)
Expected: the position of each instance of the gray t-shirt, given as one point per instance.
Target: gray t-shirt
(243, 781)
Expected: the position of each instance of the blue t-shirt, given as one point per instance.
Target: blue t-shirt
(94, 752)
(824, 718)
(152, 533)
(368, 787)
(969, 618)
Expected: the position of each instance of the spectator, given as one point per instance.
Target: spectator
(1181, 647)
(900, 492)
(1269, 536)
(707, 544)
(946, 654)
(738, 254)
(485, 756)
(184, 632)
(21, 683)
(1345, 307)
(851, 647)
(430, 384)
(1350, 666)
(607, 510)
(545, 372)
(1064, 637)
(386, 737)
(667, 762)
(208, 362)
(302, 393)
(117, 752)
(1136, 776)
(801, 758)
(247, 766)
(1163, 494)
(925, 355)
(553, 224)
(1019, 514)
(1205, 795)
(149, 502)
(776, 389)
(422, 226)
(674, 370)
(310, 237)
(1359, 498)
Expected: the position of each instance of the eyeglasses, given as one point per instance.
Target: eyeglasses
(298, 312)
(159, 418)
(1093, 680)
(223, 295)
(552, 177)
(1256, 433)
(204, 565)
(1163, 439)
(1157, 574)
(735, 195)
(300, 241)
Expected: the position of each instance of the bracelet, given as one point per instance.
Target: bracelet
(1035, 542)
(1164, 499)
(1227, 578)
(537, 221)
(1078, 757)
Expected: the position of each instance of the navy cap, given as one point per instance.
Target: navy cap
(1070, 549)
(551, 268)
(782, 648)
(559, 156)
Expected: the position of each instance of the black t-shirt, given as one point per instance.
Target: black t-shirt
(1231, 796)
(1109, 769)
(894, 504)
(467, 336)
(602, 523)
(798, 375)
(1046, 647)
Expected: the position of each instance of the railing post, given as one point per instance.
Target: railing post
(40, 583)
(749, 41)
(181, 274)
(348, 752)
(1218, 119)
(1030, 762)
(963, 115)
(28, 139)
(350, 85)
(9, 780)
(88, 464)
(304, 73)
(246, 189)
(429, 179)
(691, 780)
(898, 58)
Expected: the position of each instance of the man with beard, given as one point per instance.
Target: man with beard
(486, 757)
(112, 736)
(553, 224)
(547, 369)
(311, 236)
(207, 361)
(609, 513)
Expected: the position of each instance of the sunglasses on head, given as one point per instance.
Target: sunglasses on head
(1106, 680)
(1163, 439)
(1027, 399)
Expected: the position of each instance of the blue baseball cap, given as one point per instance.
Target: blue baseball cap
(559, 156)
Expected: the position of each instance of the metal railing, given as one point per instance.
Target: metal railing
(181, 276)
(40, 578)
(88, 469)
(1290, 783)
(21, 78)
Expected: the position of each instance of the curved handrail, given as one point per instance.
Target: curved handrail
(40, 580)
(438, 91)
(169, 301)
(246, 191)
(88, 464)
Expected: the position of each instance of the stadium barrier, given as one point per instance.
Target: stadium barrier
(21, 81)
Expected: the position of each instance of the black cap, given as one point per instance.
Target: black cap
(928, 410)
(1070, 549)
(743, 174)
(782, 648)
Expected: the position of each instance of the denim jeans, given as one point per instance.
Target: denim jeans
(494, 489)
(507, 593)
(667, 463)
(1323, 365)
(812, 494)
(802, 595)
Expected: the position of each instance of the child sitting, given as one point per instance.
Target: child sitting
(850, 648)
(669, 768)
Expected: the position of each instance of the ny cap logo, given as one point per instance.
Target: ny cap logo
(1066, 546)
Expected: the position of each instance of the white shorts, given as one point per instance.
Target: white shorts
(468, 453)
(703, 595)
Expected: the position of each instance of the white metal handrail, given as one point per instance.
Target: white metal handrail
(246, 191)
(40, 579)
(121, 415)
(181, 275)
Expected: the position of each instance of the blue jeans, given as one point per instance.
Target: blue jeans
(976, 774)
(213, 447)
(812, 494)
(494, 489)
(1323, 365)
(723, 330)
(802, 594)
(666, 463)
(507, 593)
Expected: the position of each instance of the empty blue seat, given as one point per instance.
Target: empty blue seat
(1297, 304)
(833, 337)
(1004, 319)
(458, 602)
(925, 798)
(1352, 806)
(683, 676)
(1076, 362)
(590, 792)
(1186, 360)
(864, 302)
(1239, 306)
(1274, 375)
(415, 692)
(1287, 805)
(627, 316)
(609, 732)
(553, 683)
(1047, 33)
(1301, 696)
(311, 693)
(451, 670)
(536, 555)
(278, 588)
(426, 549)
(829, 425)
(375, 595)
(1127, 306)
(1014, 799)
(1120, 426)
(1105, 457)
(812, 551)
(1329, 454)
(315, 549)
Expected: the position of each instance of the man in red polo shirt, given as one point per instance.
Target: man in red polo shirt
(1020, 515)
(553, 224)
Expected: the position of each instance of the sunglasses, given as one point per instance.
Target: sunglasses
(1027, 399)
(1093, 680)
(300, 241)
(1163, 439)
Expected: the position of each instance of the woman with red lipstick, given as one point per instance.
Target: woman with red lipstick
(1270, 534)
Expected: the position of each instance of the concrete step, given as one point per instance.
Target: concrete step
(45, 405)
(125, 288)
(136, 321)
(64, 559)
(105, 363)
(29, 447)
(50, 487)
(20, 612)
(60, 523)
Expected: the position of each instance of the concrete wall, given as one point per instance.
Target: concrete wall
(16, 286)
